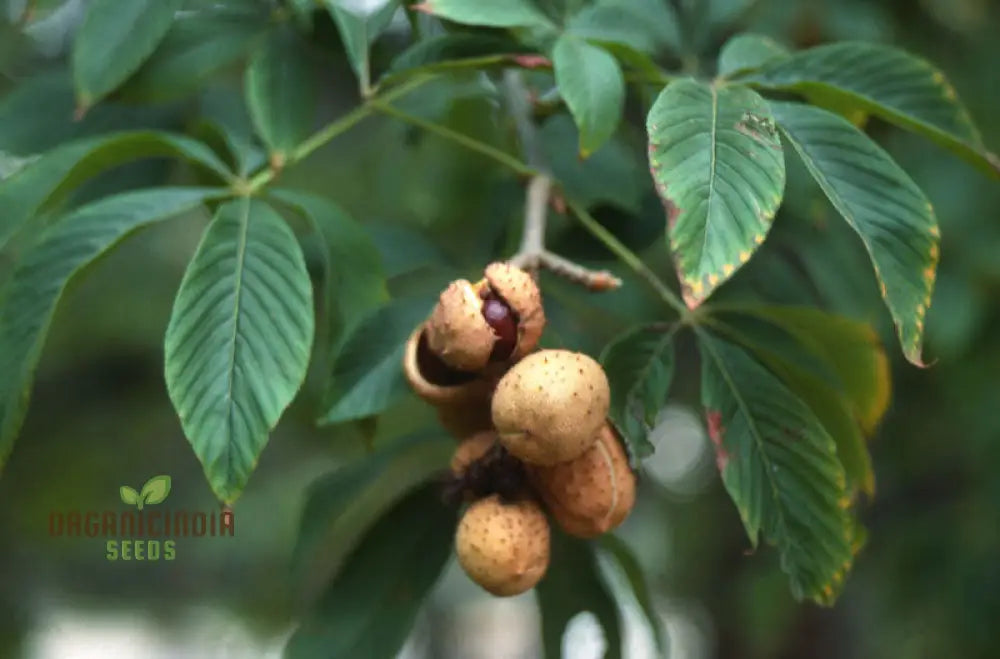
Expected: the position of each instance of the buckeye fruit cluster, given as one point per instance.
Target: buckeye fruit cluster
(532, 423)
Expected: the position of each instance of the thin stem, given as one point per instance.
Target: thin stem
(330, 131)
(629, 258)
(470, 143)
(536, 208)
(532, 255)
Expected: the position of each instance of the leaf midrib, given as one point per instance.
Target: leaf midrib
(711, 179)
(237, 313)
(751, 424)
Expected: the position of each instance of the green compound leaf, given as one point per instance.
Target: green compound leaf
(836, 365)
(851, 349)
(29, 297)
(114, 40)
(593, 86)
(718, 166)
(890, 83)
(881, 203)
(156, 489)
(640, 368)
(239, 339)
(780, 467)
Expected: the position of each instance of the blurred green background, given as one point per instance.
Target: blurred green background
(926, 584)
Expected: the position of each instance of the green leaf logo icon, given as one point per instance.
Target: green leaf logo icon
(129, 495)
(154, 491)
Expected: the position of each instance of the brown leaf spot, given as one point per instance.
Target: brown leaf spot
(715, 432)
(673, 211)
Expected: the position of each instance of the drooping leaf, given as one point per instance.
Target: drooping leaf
(29, 297)
(881, 202)
(591, 82)
(625, 559)
(640, 367)
(354, 279)
(238, 343)
(156, 489)
(128, 495)
(114, 40)
(367, 372)
(358, 30)
(571, 585)
(488, 13)
(281, 92)
(747, 52)
(370, 606)
(341, 507)
(887, 82)
(445, 52)
(806, 371)
(780, 467)
(850, 348)
(717, 163)
(200, 44)
(57, 172)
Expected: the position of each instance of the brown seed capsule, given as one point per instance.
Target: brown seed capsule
(519, 291)
(504, 547)
(457, 330)
(592, 494)
(494, 320)
(435, 381)
(549, 406)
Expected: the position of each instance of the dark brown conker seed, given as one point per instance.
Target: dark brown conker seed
(503, 322)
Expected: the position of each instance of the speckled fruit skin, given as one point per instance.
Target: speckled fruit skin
(549, 406)
(592, 494)
(457, 330)
(470, 450)
(519, 290)
(503, 547)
